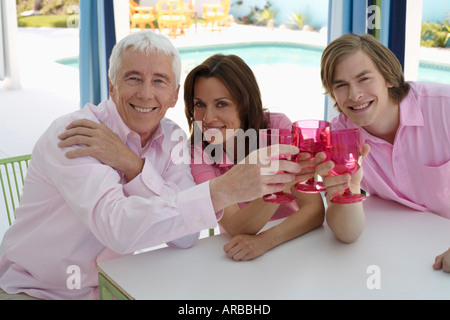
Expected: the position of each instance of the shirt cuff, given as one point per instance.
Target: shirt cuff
(147, 184)
(198, 199)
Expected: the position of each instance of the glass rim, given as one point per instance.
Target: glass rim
(279, 131)
(349, 130)
(325, 124)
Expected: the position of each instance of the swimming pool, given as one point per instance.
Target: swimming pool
(434, 72)
(287, 73)
(279, 54)
(258, 53)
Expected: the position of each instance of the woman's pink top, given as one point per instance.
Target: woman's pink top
(206, 170)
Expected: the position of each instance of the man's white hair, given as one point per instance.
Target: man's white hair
(146, 42)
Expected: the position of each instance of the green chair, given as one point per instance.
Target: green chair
(12, 175)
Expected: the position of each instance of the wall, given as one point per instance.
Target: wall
(435, 10)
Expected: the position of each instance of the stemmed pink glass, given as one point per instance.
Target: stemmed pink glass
(310, 131)
(270, 137)
(344, 148)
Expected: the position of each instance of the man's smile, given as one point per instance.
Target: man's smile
(142, 109)
(361, 106)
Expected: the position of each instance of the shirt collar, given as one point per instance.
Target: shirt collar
(410, 116)
(410, 111)
(121, 129)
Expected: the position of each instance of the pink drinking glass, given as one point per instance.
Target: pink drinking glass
(270, 137)
(344, 148)
(310, 131)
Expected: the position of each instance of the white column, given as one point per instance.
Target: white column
(121, 18)
(335, 30)
(8, 30)
(2, 53)
(412, 37)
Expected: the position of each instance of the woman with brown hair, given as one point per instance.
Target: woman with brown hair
(223, 100)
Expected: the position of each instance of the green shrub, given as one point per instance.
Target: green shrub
(297, 20)
(259, 15)
(435, 34)
(46, 7)
(266, 14)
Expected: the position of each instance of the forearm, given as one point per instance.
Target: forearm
(220, 198)
(249, 219)
(307, 218)
(347, 221)
(131, 166)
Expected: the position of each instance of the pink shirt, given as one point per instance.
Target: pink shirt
(75, 212)
(205, 172)
(415, 170)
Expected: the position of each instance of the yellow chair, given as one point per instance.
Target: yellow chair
(172, 15)
(12, 176)
(216, 14)
(141, 16)
(192, 13)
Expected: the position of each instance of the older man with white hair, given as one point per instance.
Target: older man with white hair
(77, 210)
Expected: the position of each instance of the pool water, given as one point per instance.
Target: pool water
(434, 73)
(255, 54)
(287, 74)
(258, 54)
(70, 62)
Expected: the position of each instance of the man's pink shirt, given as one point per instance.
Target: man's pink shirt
(76, 212)
(415, 170)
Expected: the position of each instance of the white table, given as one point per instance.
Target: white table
(401, 243)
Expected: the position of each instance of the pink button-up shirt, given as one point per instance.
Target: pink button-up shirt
(75, 212)
(415, 170)
(207, 169)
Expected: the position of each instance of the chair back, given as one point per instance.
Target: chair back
(216, 14)
(133, 8)
(171, 8)
(133, 3)
(141, 16)
(191, 5)
(172, 15)
(12, 176)
(225, 4)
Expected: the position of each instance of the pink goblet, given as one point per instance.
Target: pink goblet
(344, 148)
(310, 131)
(270, 137)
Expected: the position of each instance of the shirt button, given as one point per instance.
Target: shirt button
(150, 182)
